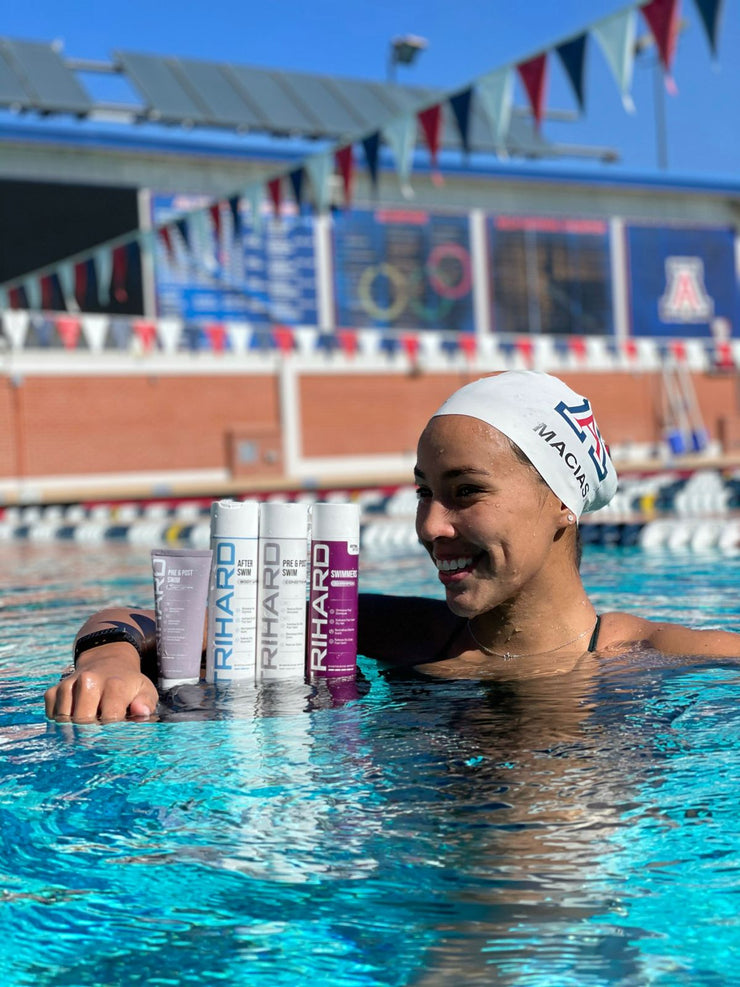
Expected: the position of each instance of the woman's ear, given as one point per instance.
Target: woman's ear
(567, 517)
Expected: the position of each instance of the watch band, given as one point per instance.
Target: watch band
(107, 635)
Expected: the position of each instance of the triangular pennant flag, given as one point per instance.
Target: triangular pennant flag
(4, 300)
(347, 341)
(525, 349)
(94, 328)
(254, 195)
(236, 215)
(495, 93)
(120, 274)
(166, 238)
(533, 74)
(344, 162)
(616, 35)
(573, 58)
(66, 279)
(319, 168)
(15, 326)
(82, 271)
(216, 334)
(371, 148)
(709, 11)
(183, 228)
(17, 297)
(662, 18)
(238, 333)
(47, 292)
(103, 262)
(296, 180)
(430, 121)
(400, 133)
(32, 287)
(283, 336)
(215, 213)
(460, 105)
(275, 191)
(468, 344)
(69, 331)
(410, 344)
(146, 333)
(170, 333)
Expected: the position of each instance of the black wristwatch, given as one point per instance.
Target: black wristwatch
(105, 636)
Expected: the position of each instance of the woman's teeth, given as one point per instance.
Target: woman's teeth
(453, 565)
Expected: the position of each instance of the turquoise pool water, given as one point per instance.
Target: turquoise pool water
(422, 833)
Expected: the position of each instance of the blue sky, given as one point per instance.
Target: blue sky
(466, 38)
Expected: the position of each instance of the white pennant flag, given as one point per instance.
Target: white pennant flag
(15, 324)
(495, 92)
(238, 334)
(320, 168)
(103, 263)
(400, 133)
(169, 331)
(66, 275)
(255, 196)
(94, 329)
(616, 35)
(32, 288)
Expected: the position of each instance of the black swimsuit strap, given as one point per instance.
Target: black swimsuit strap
(595, 635)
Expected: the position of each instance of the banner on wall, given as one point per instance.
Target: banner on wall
(403, 269)
(263, 273)
(683, 280)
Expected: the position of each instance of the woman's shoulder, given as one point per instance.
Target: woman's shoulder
(620, 631)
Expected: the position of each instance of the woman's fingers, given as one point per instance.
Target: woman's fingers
(87, 696)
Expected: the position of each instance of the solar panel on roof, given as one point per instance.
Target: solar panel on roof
(159, 85)
(52, 86)
(278, 109)
(12, 92)
(337, 116)
(216, 91)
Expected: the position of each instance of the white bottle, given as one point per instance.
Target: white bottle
(231, 641)
(281, 599)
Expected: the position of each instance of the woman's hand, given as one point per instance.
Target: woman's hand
(107, 685)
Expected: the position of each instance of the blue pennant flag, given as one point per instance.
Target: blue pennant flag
(460, 106)
(573, 57)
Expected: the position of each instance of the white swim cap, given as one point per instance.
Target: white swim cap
(552, 425)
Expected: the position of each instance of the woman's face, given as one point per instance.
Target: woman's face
(486, 519)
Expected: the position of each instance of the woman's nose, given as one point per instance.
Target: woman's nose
(433, 520)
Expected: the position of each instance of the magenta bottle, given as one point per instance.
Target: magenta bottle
(332, 603)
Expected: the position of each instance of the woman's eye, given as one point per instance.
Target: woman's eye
(422, 492)
(467, 490)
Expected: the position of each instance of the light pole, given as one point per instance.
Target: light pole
(404, 51)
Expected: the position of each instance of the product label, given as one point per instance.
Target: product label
(232, 631)
(332, 610)
(282, 607)
(180, 592)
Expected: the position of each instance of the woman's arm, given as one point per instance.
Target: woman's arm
(111, 679)
(622, 629)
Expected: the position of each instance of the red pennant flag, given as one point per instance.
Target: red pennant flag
(69, 331)
(469, 345)
(534, 77)
(410, 345)
(577, 346)
(14, 297)
(120, 269)
(215, 211)
(678, 350)
(525, 349)
(430, 121)
(662, 17)
(166, 239)
(630, 349)
(146, 333)
(47, 292)
(81, 283)
(216, 337)
(347, 341)
(345, 164)
(283, 336)
(724, 358)
(273, 187)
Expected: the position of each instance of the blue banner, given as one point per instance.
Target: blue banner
(682, 280)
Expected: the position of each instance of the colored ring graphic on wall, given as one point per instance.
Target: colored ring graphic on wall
(457, 252)
(427, 312)
(398, 283)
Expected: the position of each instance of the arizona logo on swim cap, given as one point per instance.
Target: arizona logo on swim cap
(581, 419)
(532, 409)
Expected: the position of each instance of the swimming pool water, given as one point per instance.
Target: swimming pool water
(421, 833)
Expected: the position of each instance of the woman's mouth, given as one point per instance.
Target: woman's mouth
(452, 570)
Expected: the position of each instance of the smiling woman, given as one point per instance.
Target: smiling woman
(505, 468)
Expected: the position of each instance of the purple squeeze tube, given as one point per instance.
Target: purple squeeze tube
(181, 578)
(332, 603)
